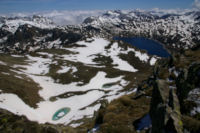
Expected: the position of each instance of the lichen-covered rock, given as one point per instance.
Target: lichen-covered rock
(165, 109)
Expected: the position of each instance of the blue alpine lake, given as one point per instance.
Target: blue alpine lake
(152, 47)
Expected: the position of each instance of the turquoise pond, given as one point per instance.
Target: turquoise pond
(152, 47)
(60, 113)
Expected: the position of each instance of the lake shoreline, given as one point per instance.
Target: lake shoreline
(153, 47)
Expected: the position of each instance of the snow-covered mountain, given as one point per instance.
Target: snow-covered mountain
(173, 29)
(12, 24)
(23, 34)
(180, 30)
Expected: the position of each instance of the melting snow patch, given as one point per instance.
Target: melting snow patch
(88, 53)
(18, 77)
(64, 69)
(38, 65)
(17, 56)
(115, 50)
(3, 63)
(47, 54)
(54, 43)
(153, 61)
(74, 125)
(5, 73)
(53, 89)
(142, 56)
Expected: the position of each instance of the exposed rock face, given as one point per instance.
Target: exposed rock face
(165, 109)
(175, 98)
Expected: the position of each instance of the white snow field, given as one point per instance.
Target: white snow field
(90, 51)
(80, 105)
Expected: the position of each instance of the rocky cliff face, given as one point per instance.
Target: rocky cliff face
(165, 109)
(175, 98)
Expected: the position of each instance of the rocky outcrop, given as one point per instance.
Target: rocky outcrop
(165, 109)
(175, 98)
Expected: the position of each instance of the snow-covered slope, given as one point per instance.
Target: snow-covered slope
(78, 76)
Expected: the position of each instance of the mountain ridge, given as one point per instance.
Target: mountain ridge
(180, 31)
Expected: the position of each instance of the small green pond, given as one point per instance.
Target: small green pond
(108, 85)
(60, 113)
